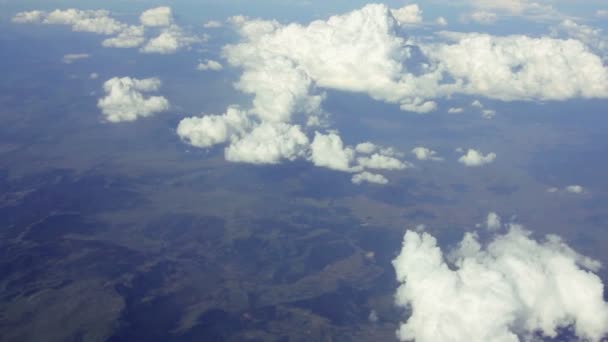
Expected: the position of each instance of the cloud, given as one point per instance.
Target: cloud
(210, 130)
(483, 17)
(507, 290)
(455, 110)
(575, 189)
(94, 76)
(423, 153)
(441, 21)
(269, 143)
(602, 13)
(530, 9)
(28, 17)
(408, 15)
(125, 100)
(329, 151)
(213, 24)
(72, 57)
(368, 177)
(170, 40)
(209, 65)
(493, 221)
(366, 148)
(379, 161)
(93, 21)
(594, 38)
(474, 158)
(157, 17)
(129, 37)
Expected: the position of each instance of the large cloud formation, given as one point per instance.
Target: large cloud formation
(512, 288)
(125, 101)
(287, 68)
(170, 39)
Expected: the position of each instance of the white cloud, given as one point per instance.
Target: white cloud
(209, 65)
(507, 290)
(378, 161)
(365, 176)
(213, 24)
(170, 40)
(483, 17)
(477, 104)
(366, 148)
(592, 37)
(28, 17)
(157, 17)
(423, 153)
(602, 13)
(210, 130)
(125, 101)
(441, 21)
(269, 143)
(475, 158)
(493, 221)
(575, 189)
(408, 15)
(72, 57)
(329, 151)
(488, 113)
(94, 21)
(129, 37)
(455, 110)
(94, 76)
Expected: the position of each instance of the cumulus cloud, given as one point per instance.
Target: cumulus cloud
(423, 153)
(455, 110)
(475, 158)
(483, 17)
(170, 40)
(366, 147)
(157, 17)
(441, 21)
(592, 37)
(493, 221)
(94, 76)
(210, 130)
(575, 189)
(94, 21)
(125, 100)
(329, 151)
(213, 24)
(369, 177)
(507, 290)
(408, 15)
(379, 161)
(129, 37)
(72, 57)
(269, 143)
(209, 65)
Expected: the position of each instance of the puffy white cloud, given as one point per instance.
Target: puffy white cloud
(94, 76)
(170, 40)
(210, 130)
(379, 161)
(493, 221)
(488, 113)
(507, 290)
(28, 17)
(129, 37)
(520, 67)
(366, 148)
(269, 143)
(72, 57)
(575, 189)
(209, 65)
(125, 101)
(474, 158)
(483, 17)
(213, 24)
(423, 153)
(328, 150)
(408, 15)
(368, 177)
(94, 21)
(455, 110)
(441, 21)
(592, 37)
(157, 17)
